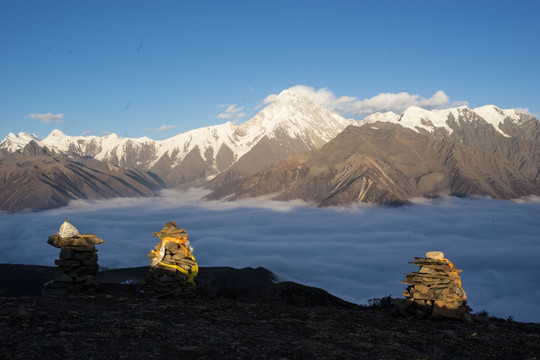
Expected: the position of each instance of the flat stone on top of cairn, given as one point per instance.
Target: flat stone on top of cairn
(172, 265)
(77, 265)
(435, 255)
(435, 290)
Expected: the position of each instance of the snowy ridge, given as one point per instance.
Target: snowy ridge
(101, 148)
(211, 137)
(291, 114)
(416, 118)
(496, 116)
(298, 117)
(14, 142)
(383, 117)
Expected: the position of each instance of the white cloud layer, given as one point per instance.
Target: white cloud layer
(350, 105)
(395, 102)
(48, 118)
(232, 112)
(356, 253)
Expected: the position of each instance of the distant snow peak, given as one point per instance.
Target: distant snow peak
(14, 142)
(297, 116)
(284, 95)
(288, 94)
(57, 133)
(493, 114)
(289, 115)
(383, 117)
(113, 136)
(416, 118)
(22, 137)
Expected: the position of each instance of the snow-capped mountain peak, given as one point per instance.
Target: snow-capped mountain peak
(14, 142)
(417, 118)
(291, 121)
(57, 134)
(495, 116)
(298, 117)
(384, 117)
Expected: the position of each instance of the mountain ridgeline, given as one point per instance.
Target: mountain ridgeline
(292, 149)
(36, 178)
(389, 159)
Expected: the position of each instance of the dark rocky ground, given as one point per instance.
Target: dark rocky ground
(236, 314)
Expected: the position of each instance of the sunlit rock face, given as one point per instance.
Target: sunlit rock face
(384, 159)
(386, 163)
(36, 178)
(290, 124)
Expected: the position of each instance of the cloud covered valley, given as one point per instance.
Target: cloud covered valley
(355, 253)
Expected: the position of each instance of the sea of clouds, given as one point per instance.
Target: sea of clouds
(356, 253)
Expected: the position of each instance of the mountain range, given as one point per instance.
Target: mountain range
(294, 149)
(391, 158)
(37, 178)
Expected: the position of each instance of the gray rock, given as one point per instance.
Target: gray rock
(61, 276)
(436, 255)
(467, 319)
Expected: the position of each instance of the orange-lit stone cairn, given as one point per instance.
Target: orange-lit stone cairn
(435, 290)
(172, 265)
(78, 262)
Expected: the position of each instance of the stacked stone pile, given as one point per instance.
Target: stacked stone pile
(435, 290)
(172, 265)
(78, 262)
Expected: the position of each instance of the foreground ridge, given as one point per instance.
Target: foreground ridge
(284, 323)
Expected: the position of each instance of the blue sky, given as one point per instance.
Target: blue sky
(156, 69)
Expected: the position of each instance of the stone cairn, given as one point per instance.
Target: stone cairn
(435, 290)
(77, 265)
(172, 265)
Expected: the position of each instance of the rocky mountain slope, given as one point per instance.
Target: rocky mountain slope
(391, 158)
(506, 134)
(290, 124)
(36, 178)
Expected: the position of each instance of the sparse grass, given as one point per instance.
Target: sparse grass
(483, 314)
(380, 303)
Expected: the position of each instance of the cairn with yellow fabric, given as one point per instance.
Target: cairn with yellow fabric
(435, 290)
(172, 265)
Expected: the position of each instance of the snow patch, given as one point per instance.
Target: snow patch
(289, 113)
(14, 142)
(495, 116)
(383, 117)
(416, 118)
